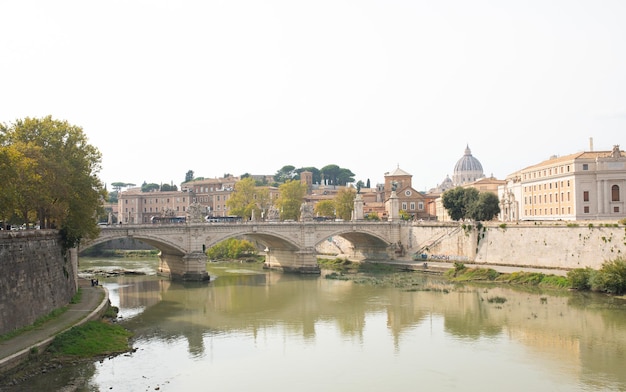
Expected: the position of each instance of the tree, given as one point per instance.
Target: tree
(189, 176)
(247, 199)
(117, 186)
(55, 175)
(317, 177)
(145, 187)
(336, 175)
(468, 203)
(168, 188)
(290, 199)
(486, 207)
(286, 173)
(325, 208)
(344, 203)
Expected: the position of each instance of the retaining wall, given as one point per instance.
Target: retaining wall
(559, 246)
(36, 276)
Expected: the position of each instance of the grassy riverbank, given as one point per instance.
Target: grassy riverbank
(94, 339)
(385, 274)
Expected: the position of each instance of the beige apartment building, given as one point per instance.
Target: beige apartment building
(588, 185)
(137, 207)
(211, 193)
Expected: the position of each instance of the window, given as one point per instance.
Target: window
(615, 193)
(404, 206)
(420, 205)
(586, 209)
(585, 166)
(616, 209)
(412, 205)
(586, 196)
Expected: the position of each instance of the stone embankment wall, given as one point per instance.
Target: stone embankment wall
(562, 246)
(36, 276)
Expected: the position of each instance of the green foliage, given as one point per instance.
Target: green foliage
(468, 203)
(372, 216)
(91, 339)
(325, 208)
(496, 299)
(231, 249)
(290, 199)
(622, 222)
(168, 188)
(145, 187)
(248, 199)
(335, 175)
(286, 173)
(344, 203)
(610, 278)
(485, 208)
(189, 176)
(48, 173)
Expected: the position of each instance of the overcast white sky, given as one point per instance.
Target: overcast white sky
(163, 87)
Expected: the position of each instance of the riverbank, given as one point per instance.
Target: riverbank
(94, 301)
(381, 273)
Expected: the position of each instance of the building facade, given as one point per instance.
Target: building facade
(417, 204)
(137, 207)
(588, 185)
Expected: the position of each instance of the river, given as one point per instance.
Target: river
(251, 329)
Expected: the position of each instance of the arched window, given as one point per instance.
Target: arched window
(615, 193)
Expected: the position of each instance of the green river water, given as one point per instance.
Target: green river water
(251, 329)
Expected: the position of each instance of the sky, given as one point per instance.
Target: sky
(164, 87)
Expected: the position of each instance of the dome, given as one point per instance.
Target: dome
(467, 169)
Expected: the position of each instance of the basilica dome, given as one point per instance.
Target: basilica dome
(467, 169)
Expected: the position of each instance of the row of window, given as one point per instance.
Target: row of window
(550, 171)
(548, 185)
(544, 211)
(547, 198)
(420, 206)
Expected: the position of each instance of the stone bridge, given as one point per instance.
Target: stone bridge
(289, 246)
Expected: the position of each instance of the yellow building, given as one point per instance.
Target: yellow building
(587, 185)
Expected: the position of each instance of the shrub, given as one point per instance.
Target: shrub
(231, 248)
(611, 278)
(580, 278)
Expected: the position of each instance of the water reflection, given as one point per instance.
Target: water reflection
(254, 329)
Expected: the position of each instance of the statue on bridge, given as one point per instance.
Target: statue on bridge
(273, 214)
(306, 212)
(196, 213)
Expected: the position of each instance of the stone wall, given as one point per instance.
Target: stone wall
(563, 246)
(36, 276)
(566, 247)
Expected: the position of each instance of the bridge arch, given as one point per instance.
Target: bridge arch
(291, 246)
(178, 260)
(159, 243)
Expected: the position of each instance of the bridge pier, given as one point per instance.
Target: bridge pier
(361, 253)
(189, 267)
(300, 261)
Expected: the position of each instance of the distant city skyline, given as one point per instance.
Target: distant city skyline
(161, 88)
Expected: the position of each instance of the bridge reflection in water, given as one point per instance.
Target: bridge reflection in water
(571, 341)
(291, 246)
